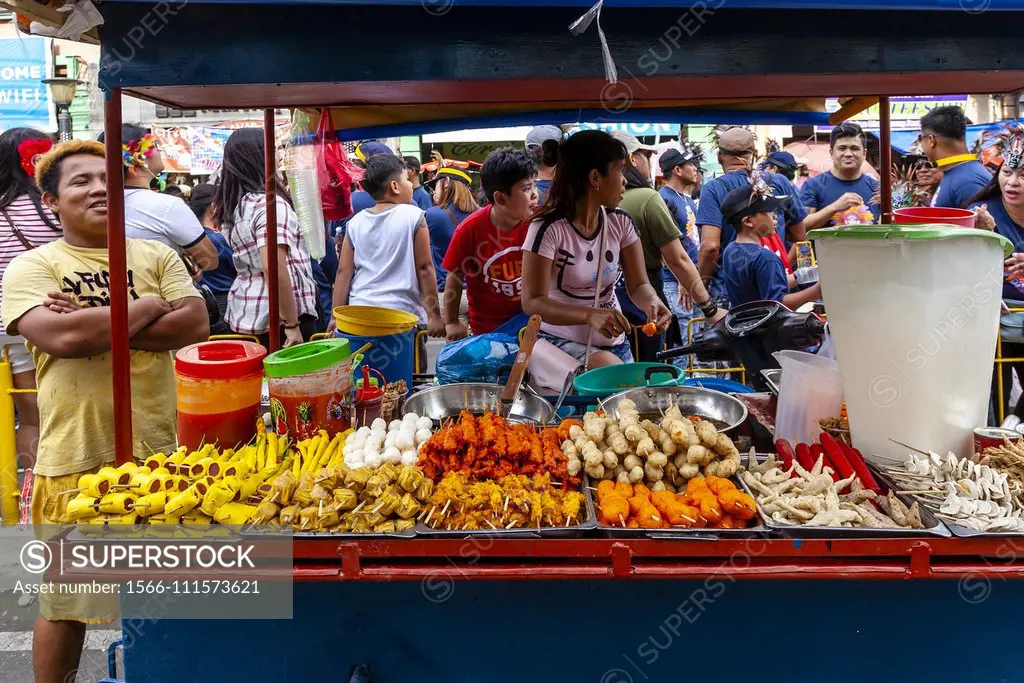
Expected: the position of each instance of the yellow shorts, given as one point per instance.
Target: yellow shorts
(49, 500)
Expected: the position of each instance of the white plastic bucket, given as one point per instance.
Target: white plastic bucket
(914, 313)
(811, 388)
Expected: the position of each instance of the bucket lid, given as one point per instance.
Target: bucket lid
(303, 359)
(220, 359)
(926, 231)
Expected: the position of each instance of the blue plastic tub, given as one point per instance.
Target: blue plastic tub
(391, 354)
(726, 386)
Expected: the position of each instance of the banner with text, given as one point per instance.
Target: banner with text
(24, 98)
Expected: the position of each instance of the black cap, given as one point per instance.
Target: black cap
(743, 201)
(672, 157)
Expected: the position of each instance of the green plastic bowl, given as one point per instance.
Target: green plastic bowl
(614, 379)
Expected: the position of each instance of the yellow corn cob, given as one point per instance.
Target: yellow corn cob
(297, 465)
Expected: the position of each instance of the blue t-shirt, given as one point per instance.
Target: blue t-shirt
(220, 279)
(684, 213)
(543, 186)
(823, 189)
(709, 209)
(752, 273)
(1006, 227)
(441, 224)
(422, 198)
(961, 183)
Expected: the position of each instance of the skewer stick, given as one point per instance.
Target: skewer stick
(376, 509)
(622, 521)
(568, 520)
(426, 522)
(505, 509)
(911, 448)
(359, 507)
(445, 510)
(511, 524)
(488, 522)
(923, 492)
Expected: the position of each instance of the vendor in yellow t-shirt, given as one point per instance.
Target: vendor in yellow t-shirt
(56, 296)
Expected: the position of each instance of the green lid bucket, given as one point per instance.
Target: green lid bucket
(307, 358)
(927, 231)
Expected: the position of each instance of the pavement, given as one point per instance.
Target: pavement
(16, 624)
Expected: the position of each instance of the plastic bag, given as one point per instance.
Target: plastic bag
(483, 358)
(334, 171)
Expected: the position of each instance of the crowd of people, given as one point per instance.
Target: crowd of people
(570, 229)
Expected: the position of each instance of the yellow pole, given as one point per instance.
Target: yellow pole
(9, 492)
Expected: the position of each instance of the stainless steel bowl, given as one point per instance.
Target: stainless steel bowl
(691, 401)
(441, 402)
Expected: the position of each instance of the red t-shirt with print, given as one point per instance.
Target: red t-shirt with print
(492, 262)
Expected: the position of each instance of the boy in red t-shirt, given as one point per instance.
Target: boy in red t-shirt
(486, 249)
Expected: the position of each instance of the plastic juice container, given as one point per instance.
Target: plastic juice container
(218, 392)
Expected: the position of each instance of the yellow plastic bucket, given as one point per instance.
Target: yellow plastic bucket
(373, 321)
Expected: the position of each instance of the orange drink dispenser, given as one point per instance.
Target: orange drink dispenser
(219, 385)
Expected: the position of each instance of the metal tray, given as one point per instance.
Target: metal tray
(935, 526)
(725, 408)
(575, 531)
(774, 379)
(955, 529)
(691, 533)
(442, 402)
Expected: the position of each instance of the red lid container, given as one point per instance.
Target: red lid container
(934, 214)
(221, 359)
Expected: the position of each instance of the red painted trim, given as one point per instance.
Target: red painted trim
(526, 559)
(885, 150)
(556, 93)
(270, 168)
(120, 357)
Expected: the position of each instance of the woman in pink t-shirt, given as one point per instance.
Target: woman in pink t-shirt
(578, 247)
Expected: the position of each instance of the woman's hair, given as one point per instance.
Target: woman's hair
(456, 194)
(546, 154)
(201, 199)
(990, 191)
(578, 155)
(14, 181)
(243, 172)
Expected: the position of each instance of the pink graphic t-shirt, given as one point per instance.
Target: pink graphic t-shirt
(574, 264)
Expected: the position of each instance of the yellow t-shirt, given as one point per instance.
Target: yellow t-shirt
(76, 414)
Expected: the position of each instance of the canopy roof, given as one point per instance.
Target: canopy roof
(397, 66)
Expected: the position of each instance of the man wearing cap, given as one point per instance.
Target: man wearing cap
(736, 153)
(542, 142)
(660, 240)
(781, 162)
(751, 272)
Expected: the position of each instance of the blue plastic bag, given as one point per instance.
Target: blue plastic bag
(483, 358)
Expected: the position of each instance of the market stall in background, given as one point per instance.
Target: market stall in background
(872, 464)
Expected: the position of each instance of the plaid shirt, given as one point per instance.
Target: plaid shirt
(248, 309)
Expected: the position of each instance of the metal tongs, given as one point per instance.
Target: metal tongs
(515, 377)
